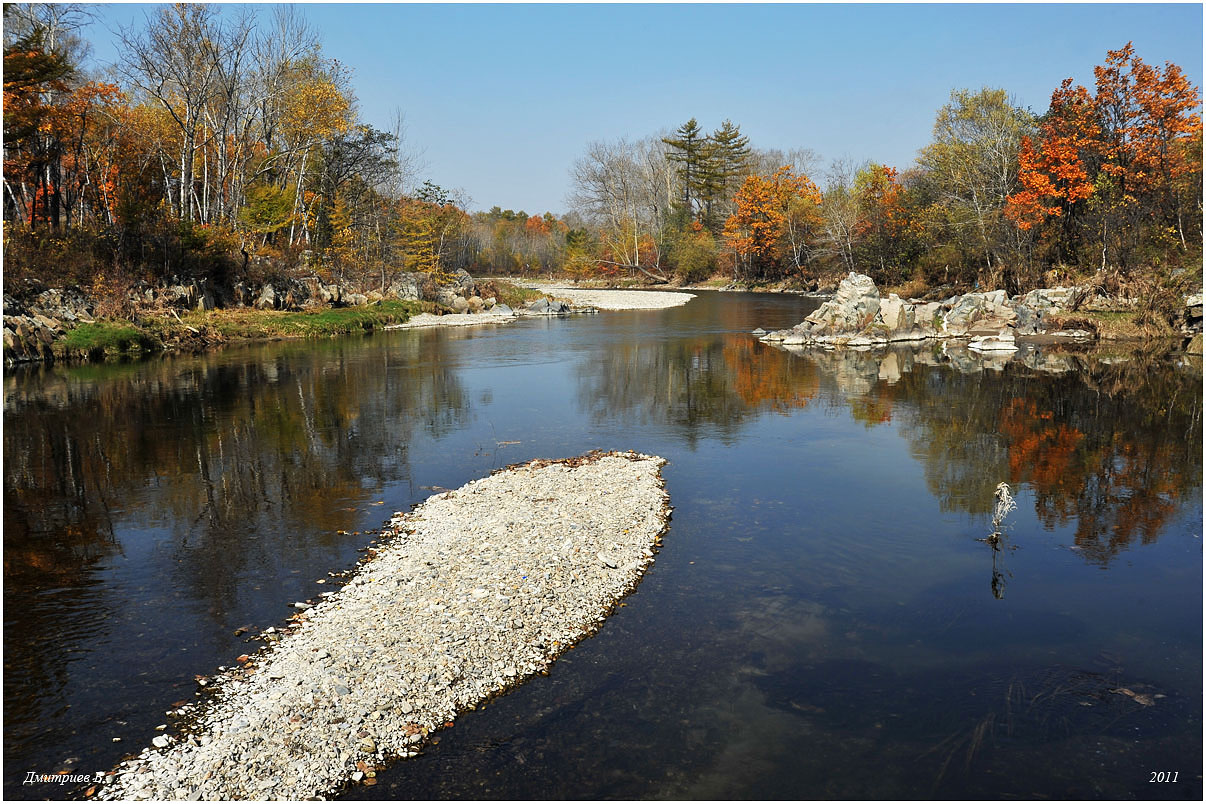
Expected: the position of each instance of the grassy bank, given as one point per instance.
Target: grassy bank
(249, 324)
(200, 329)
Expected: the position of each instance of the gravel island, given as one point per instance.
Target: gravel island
(467, 595)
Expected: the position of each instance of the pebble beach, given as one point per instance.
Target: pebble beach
(467, 595)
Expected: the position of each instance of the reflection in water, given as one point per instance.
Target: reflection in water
(220, 466)
(1112, 443)
(819, 590)
(703, 384)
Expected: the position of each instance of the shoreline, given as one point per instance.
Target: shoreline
(470, 594)
(99, 340)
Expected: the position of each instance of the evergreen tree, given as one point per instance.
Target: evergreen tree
(690, 152)
(726, 164)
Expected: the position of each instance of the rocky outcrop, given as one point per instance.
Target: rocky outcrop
(31, 327)
(548, 307)
(858, 316)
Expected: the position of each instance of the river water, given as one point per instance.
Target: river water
(822, 621)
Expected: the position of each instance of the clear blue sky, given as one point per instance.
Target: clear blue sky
(500, 99)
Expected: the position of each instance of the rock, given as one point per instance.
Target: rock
(1002, 342)
(267, 299)
(852, 309)
(759, 332)
(476, 304)
(980, 311)
(489, 302)
(897, 315)
(162, 741)
(355, 299)
(1194, 347)
(538, 306)
(464, 597)
(502, 309)
(407, 287)
(240, 295)
(204, 299)
(460, 304)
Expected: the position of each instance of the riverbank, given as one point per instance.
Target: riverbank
(474, 591)
(55, 331)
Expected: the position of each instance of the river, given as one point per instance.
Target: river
(822, 621)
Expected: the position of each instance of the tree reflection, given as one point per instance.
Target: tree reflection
(217, 464)
(701, 385)
(1112, 443)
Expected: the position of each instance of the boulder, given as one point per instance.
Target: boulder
(852, 309)
(476, 304)
(203, 297)
(979, 314)
(897, 315)
(407, 287)
(267, 299)
(460, 304)
(1002, 342)
(355, 299)
(240, 295)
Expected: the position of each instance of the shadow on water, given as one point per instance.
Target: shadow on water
(817, 624)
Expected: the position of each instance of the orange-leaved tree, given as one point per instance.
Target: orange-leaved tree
(774, 225)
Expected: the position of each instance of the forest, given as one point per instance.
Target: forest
(227, 146)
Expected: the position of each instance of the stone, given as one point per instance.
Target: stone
(897, 315)
(1001, 342)
(852, 308)
(406, 287)
(460, 304)
(267, 299)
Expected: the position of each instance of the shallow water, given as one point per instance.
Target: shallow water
(821, 622)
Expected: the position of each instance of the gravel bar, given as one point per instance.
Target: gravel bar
(467, 595)
(616, 299)
(427, 320)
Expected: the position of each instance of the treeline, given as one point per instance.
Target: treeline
(226, 144)
(1108, 181)
(223, 145)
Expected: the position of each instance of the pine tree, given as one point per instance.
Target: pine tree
(690, 151)
(726, 165)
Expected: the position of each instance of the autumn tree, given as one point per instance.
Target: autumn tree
(973, 159)
(774, 224)
(1114, 177)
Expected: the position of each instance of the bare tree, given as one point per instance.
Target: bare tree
(172, 62)
(612, 188)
